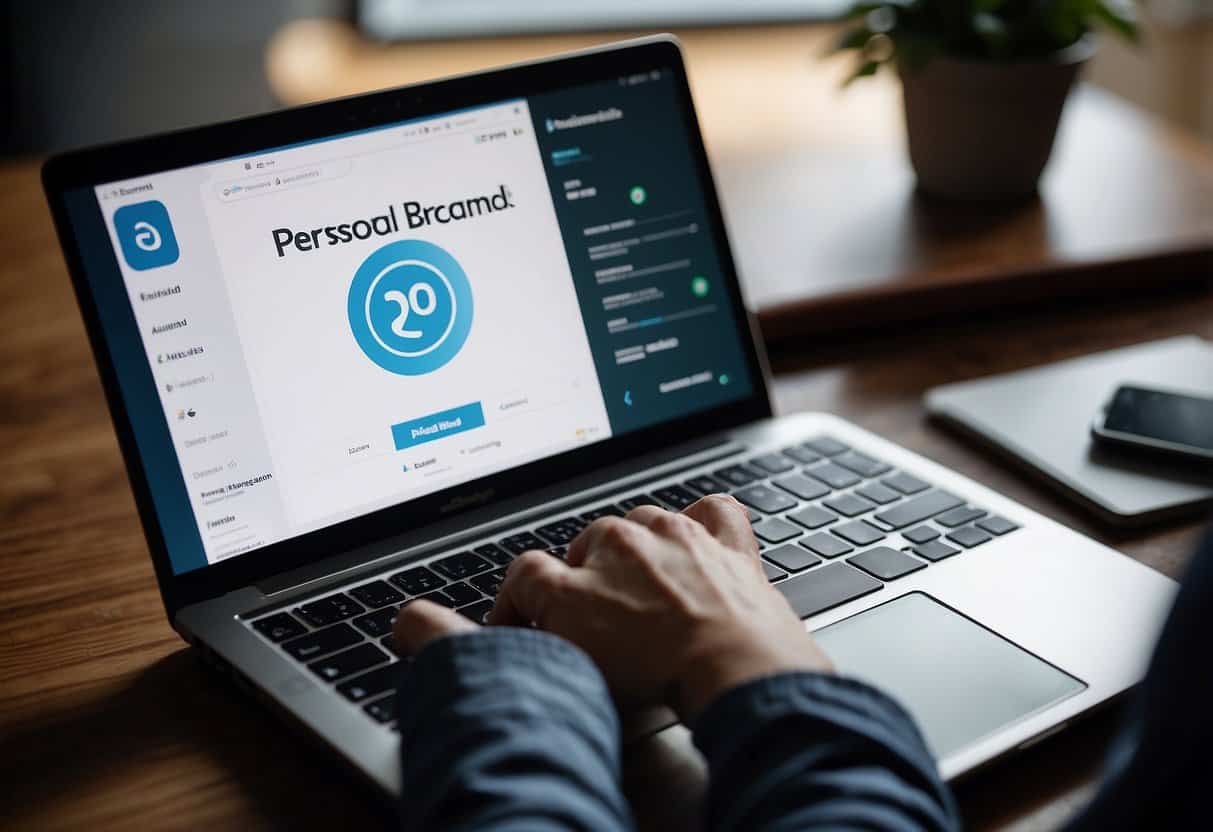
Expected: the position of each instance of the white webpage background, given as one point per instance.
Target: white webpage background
(319, 395)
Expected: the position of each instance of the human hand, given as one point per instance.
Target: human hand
(673, 608)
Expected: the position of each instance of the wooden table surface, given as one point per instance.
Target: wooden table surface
(828, 230)
(107, 719)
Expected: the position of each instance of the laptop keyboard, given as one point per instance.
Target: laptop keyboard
(833, 524)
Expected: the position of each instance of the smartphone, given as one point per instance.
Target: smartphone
(1172, 423)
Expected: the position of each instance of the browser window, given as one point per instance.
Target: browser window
(346, 324)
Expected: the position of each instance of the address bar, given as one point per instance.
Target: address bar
(270, 183)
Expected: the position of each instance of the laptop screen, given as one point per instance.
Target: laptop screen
(347, 324)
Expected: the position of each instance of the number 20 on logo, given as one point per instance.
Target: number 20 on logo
(410, 307)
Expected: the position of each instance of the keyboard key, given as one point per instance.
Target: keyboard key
(602, 511)
(462, 565)
(376, 594)
(521, 542)
(751, 516)
(885, 563)
(558, 551)
(848, 505)
(920, 534)
(802, 454)
(328, 610)
(959, 516)
(562, 532)
(878, 493)
(279, 627)
(920, 508)
(813, 517)
(490, 582)
(462, 594)
(772, 573)
(935, 550)
(772, 463)
(348, 662)
(417, 580)
(378, 623)
(861, 464)
(478, 612)
(825, 588)
(802, 486)
(382, 710)
(764, 498)
(997, 525)
(858, 532)
(774, 530)
(704, 485)
(388, 643)
(363, 687)
(826, 446)
(905, 483)
(675, 496)
(833, 475)
(438, 597)
(494, 553)
(825, 545)
(738, 475)
(328, 640)
(969, 537)
(638, 500)
(792, 558)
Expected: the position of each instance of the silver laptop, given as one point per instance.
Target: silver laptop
(371, 350)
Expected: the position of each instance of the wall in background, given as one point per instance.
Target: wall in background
(1170, 74)
(75, 72)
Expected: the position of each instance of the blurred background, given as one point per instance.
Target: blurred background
(74, 72)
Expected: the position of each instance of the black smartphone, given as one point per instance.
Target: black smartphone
(1172, 423)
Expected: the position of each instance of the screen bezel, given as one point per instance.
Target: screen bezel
(90, 167)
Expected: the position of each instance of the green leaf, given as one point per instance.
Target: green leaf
(1122, 24)
(855, 38)
(863, 70)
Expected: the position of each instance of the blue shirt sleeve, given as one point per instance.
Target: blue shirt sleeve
(508, 729)
(515, 729)
(804, 751)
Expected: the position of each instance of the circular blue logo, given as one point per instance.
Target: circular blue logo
(410, 307)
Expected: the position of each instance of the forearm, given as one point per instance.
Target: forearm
(803, 751)
(508, 729)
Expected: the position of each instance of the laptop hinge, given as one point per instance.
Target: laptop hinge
(565, 496)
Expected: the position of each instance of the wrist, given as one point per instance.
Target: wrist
(712, 672)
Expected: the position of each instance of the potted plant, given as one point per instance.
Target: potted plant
(984, 81)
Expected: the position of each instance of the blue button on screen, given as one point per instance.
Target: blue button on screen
(437, 425)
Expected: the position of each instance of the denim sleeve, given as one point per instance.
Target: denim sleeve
(803, 751)
(508, 729)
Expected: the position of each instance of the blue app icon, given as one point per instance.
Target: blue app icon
(146, 235)
(410, 307)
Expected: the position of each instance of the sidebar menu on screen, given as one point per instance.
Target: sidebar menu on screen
(661, 326)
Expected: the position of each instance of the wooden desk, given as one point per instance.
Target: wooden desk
(108, 720)
(828, 230)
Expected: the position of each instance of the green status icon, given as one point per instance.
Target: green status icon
(700, 286)
(724, 378)
(638, 195)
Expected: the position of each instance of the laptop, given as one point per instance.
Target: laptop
(371, 350)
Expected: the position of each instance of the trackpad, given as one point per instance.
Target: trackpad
(961, 681)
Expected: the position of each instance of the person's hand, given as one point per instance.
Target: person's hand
(420, 622)
(673, 608)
